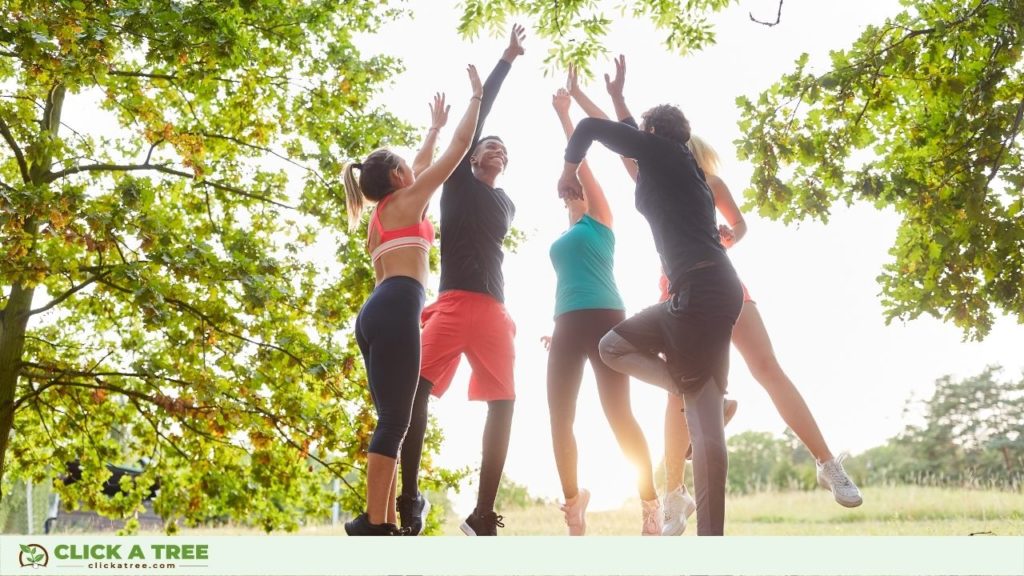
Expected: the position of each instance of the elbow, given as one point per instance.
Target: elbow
(740, 229)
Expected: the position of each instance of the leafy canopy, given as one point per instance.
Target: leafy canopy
(577, 28)
(173, 269)
(921, 115)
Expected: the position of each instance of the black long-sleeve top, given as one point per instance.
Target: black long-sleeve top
(475, 217)
(671, 192)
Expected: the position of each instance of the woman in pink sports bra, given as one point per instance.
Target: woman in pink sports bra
(388, 326)
(750, 337)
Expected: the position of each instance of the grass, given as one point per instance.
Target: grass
(887, 511)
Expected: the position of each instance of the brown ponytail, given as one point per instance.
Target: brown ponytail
(374, 182)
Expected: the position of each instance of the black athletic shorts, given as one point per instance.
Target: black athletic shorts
(693, 328)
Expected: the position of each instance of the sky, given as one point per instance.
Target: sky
(814, 284)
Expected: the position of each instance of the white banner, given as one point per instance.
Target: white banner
(450, 556)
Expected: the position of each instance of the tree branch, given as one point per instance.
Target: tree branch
(200, 315)
(132, 74)
(264, 149)
(115, 168)
(778, 17)
(163, 169)
(6, 131)
(156, 430)
(151, 148)
(74, 289)
(997, 164)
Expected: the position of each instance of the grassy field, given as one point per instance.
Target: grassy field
(895, 511)
(889, 511)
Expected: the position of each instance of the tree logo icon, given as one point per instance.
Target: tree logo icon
(33, 555)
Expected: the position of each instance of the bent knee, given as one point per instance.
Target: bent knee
(612, 347)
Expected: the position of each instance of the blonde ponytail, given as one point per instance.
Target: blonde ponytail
(704, 154)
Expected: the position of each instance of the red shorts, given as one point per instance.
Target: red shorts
(663, 285)
(478, 326)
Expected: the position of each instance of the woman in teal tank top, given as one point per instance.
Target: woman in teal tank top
(587, 306)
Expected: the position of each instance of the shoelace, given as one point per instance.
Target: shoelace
(497, 520)
(673, 507)
(837, 474)
(650, 520)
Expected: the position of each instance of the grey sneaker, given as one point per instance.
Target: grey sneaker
(679, 506)
(832, 476)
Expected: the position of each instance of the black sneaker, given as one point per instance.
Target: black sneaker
(482, 524)
(360, 526)
(413, 513)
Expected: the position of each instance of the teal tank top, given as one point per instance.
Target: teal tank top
(583, 258)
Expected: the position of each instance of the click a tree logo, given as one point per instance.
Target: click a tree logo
(33, 555)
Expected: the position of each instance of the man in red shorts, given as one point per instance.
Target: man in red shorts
(469, 316)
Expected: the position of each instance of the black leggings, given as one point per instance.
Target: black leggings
(388, 334)
(575, 341)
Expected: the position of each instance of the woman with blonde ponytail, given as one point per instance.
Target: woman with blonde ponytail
(388, 326)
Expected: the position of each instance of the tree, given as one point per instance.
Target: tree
(921, 115)
(972, 434)
(977, 421)
(159, 301)
(576, 28)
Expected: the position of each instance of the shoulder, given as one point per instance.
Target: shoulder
(714, 181)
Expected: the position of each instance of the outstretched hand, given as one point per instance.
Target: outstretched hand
(561, 101)
(546, 341)
(569, 186)
(474, 80)
(616, 85)
(515, 43)
(439, 111)
(572, 80)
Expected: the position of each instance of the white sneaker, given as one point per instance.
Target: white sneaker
(576, 513)
(679, 506)
(832, 476)
(652, 517)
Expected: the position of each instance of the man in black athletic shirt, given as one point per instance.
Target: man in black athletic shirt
(469, 316)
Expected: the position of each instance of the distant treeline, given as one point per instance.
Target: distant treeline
(970, 433)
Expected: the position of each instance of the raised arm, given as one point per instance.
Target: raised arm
(492, 85)
(438, 118)
(419, 193)
(594, 111)
(618, 137)
(615, 87)
(726, 204)
(597, 203)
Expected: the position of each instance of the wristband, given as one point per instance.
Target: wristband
(477, 98)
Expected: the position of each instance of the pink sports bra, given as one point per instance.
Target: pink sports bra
(420, 234)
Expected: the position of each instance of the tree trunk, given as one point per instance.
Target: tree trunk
(12, 343)
(14, 318)
(1006, 459)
